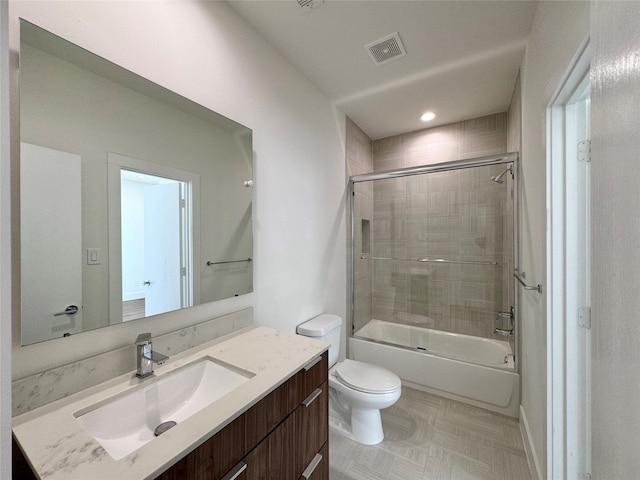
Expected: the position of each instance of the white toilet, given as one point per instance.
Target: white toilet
(357, 390)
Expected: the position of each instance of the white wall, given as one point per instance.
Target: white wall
(558, 30)
(615, 96)
(204, 52)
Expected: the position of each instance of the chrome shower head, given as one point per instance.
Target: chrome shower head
(498, 178)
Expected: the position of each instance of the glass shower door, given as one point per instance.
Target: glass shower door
(433, 261)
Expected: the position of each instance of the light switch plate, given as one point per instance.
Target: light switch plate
(93, 256)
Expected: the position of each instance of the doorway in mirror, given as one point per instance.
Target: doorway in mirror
(154, 228)
(151, 255)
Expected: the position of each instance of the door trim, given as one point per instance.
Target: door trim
(560, 370)
(115, 163)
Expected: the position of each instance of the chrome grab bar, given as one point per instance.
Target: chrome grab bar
(431, 260)
(520, 277)
(209, 263)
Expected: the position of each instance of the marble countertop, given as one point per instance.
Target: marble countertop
(58, 447)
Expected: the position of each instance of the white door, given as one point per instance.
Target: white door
(162, 265)
(51, 242)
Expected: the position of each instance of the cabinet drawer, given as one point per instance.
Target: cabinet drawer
(312, 420)
(255, 466)
(318, 469)
(265, 415)
(212, 459)
(309, 378)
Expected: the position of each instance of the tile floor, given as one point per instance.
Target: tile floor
(432, 438)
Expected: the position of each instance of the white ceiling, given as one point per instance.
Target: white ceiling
(462, 56)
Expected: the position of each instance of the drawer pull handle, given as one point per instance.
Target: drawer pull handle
(235, 472)
(312, 466)
(315, 394)
(312, 363)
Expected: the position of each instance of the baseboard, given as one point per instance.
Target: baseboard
(532, 458)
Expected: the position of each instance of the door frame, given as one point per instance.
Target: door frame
(116, 163)
(562, 369)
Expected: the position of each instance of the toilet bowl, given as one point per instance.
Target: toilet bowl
(359, 398)
(357, 390)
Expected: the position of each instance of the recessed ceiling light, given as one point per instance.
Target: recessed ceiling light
(428, 116)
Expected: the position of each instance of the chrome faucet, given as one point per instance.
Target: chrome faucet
(145, 356)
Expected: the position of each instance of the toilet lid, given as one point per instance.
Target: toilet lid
(366, 377)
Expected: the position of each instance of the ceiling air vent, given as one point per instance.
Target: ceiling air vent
(386, 49)
(308, 5)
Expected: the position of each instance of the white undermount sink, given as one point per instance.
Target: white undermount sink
(127, 421)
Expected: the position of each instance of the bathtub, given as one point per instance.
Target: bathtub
(461, 367)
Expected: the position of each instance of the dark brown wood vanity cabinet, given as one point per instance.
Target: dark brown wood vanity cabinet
(282, 437)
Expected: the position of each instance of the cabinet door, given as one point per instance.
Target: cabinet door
(311, 426)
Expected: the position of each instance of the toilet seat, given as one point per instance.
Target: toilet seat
(367, 378)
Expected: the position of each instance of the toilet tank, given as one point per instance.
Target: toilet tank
(325, 327)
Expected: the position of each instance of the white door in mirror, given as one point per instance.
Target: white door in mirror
(51, 238)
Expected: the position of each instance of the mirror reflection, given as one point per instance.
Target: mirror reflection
(134, 200)
(154, 224)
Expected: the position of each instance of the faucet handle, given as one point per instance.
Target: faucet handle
(143, 339)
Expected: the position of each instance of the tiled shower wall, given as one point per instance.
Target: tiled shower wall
(453, 215)
(468, 139)
(360, 160)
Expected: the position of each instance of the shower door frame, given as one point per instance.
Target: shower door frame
(499, 159)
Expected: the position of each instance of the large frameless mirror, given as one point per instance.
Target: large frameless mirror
(134, 200)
